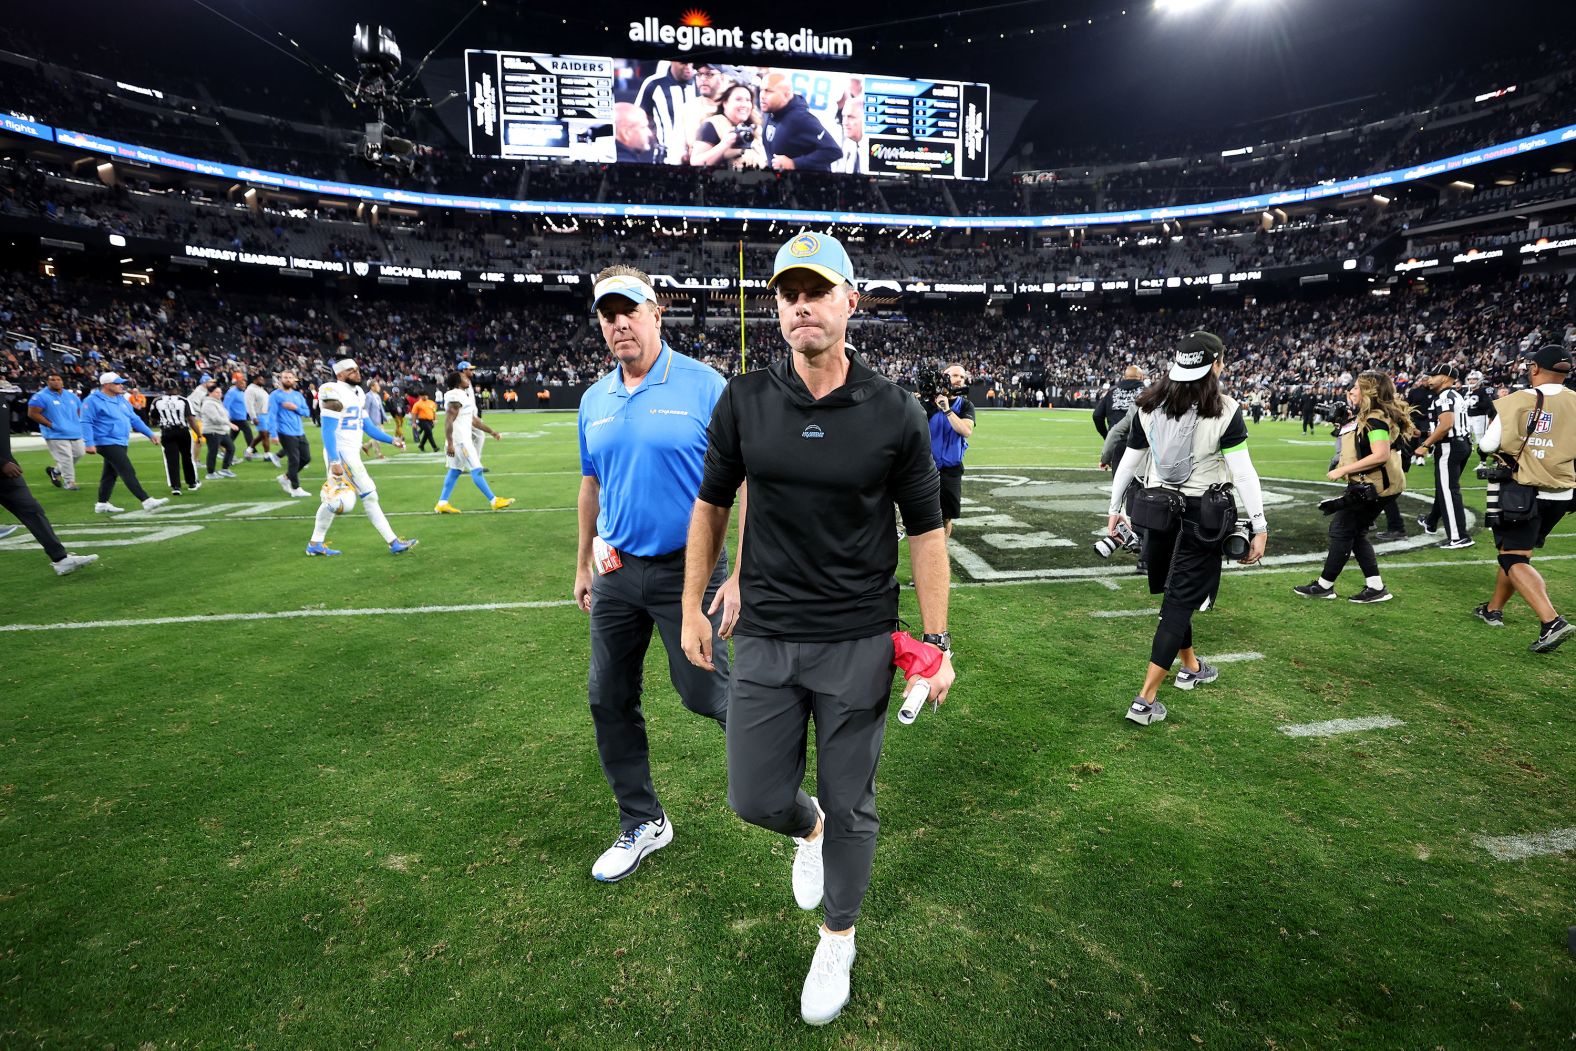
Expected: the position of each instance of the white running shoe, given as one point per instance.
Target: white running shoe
(826, 986)
(299, 492)
(249, 455)
(105, 508)
(273, 458)
(624, 856)
(72, 563)
(153, 503)
(284, 483)
(809, 871)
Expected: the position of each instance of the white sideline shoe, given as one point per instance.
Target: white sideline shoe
(105, 508)
(72, 563)
(826, 986)
(153, 503)
(809, 871)
(625, 855)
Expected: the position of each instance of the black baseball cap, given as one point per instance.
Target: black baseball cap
(1552, 356)
(1445, 370)
(1195, 355)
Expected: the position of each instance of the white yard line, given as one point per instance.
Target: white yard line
(1340, 726)
(1519, 848)
(288, 614)
(1124, 612)
(1234, 658)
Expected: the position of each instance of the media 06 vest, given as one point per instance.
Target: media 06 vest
(1546, 458)
(1387, 478)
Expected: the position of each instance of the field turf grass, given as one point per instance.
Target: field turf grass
(376, 830)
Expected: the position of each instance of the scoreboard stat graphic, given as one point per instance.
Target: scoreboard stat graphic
(538, 105)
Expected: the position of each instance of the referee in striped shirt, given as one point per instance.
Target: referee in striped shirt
(1450, 442)
(173, 414)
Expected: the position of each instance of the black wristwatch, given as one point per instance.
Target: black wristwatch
(942, 642)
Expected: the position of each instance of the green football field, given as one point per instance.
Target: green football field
(249, 799)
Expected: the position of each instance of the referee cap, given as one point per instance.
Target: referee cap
(819, 253)
(1445, 370)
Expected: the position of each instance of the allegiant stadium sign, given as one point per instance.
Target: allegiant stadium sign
(697, 31)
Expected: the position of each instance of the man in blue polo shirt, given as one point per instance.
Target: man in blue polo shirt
(58, 413)
(642, 453)
(240, 415)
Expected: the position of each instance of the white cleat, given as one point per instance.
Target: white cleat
(809, 871)
(153, 503)
(106, 508)
(284, 483)
(72, 563)
(826, 986)
(627, 851)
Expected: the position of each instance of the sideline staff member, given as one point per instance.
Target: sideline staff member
(642, 450)
(951, 426)
(1197, 441)
(1544, 460)
(827, 445)
(58, 413)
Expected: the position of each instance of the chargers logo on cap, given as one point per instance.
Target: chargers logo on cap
(804, 245)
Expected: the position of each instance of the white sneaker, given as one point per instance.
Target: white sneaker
(826, 986)
(153, 503)
(299, 492)
(72, 563)
(103, 508)
(249, 455)
(624, 856)
(284, 483)
(809, 873)
(273, 458)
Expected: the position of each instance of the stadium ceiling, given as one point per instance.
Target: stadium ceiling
(1119, 68)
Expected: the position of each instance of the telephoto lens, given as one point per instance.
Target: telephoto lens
(1235, 546)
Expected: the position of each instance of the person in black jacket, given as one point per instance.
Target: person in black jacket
(17, 498)
(795, 139)
(827, 446)
(1115, 402)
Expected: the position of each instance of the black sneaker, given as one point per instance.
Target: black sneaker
(1422, 521)
(1457, 544)
(1556, 633)
(1494, 618)
(1372, 595)
(54, 476)
(1389, 535)
(1314, 591)
(175, 492)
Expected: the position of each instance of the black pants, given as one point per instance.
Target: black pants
(424, 435)
(246, 432)
(118, 465)
(1349, 536)
(1393, 522)
(1307, 421)
(625, 604)
(17, 498)
(1186, 570)
(217, 442)
(178, 461)
(297, 455)
(1450, 460)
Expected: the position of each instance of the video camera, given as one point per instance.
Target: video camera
(933, 384)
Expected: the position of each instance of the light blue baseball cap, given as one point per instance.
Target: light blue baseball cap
(626, 285)
(462, 366)
(819, 253)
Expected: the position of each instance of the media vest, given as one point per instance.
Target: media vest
(1209, 463)
(1388, 478)
(1545, 460)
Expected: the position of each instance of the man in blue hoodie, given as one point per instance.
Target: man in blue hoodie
(107, 423)
(795, 139)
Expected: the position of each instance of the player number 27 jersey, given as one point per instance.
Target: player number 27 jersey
(350, 417)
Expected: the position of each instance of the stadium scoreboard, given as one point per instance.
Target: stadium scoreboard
(526, 106)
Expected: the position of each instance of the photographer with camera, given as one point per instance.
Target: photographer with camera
(732, 138)
(951, 419)
(1532, 480)
(1370, 461)
(1197, 442)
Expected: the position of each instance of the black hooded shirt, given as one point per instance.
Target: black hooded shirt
(820, 544)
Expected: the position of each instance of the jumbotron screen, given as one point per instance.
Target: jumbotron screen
(719, 114)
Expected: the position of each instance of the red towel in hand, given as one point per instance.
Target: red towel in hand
(915, 657)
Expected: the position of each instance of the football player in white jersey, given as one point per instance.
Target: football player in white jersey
(460, 444)
(343, 405)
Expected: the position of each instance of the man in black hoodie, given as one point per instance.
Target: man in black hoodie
(795, 139)
(827, 446)
(1115, 403)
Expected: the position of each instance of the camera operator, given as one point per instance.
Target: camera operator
(1448, 441)
(1115, 403)
(951, 425)
(1373, 473)
(1534, 433)
(1198, 452)
(732, 137)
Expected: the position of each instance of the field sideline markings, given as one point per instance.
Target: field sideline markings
(1340, 726)
(1124, 613)
(288, 614)
(1519, 848)
(1234, 658)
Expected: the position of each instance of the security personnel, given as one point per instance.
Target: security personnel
(173, 412)
(827, 445)
(1449, 441)
(1536, 428)
(1115, 403)
(951, 420)
(642, 446)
